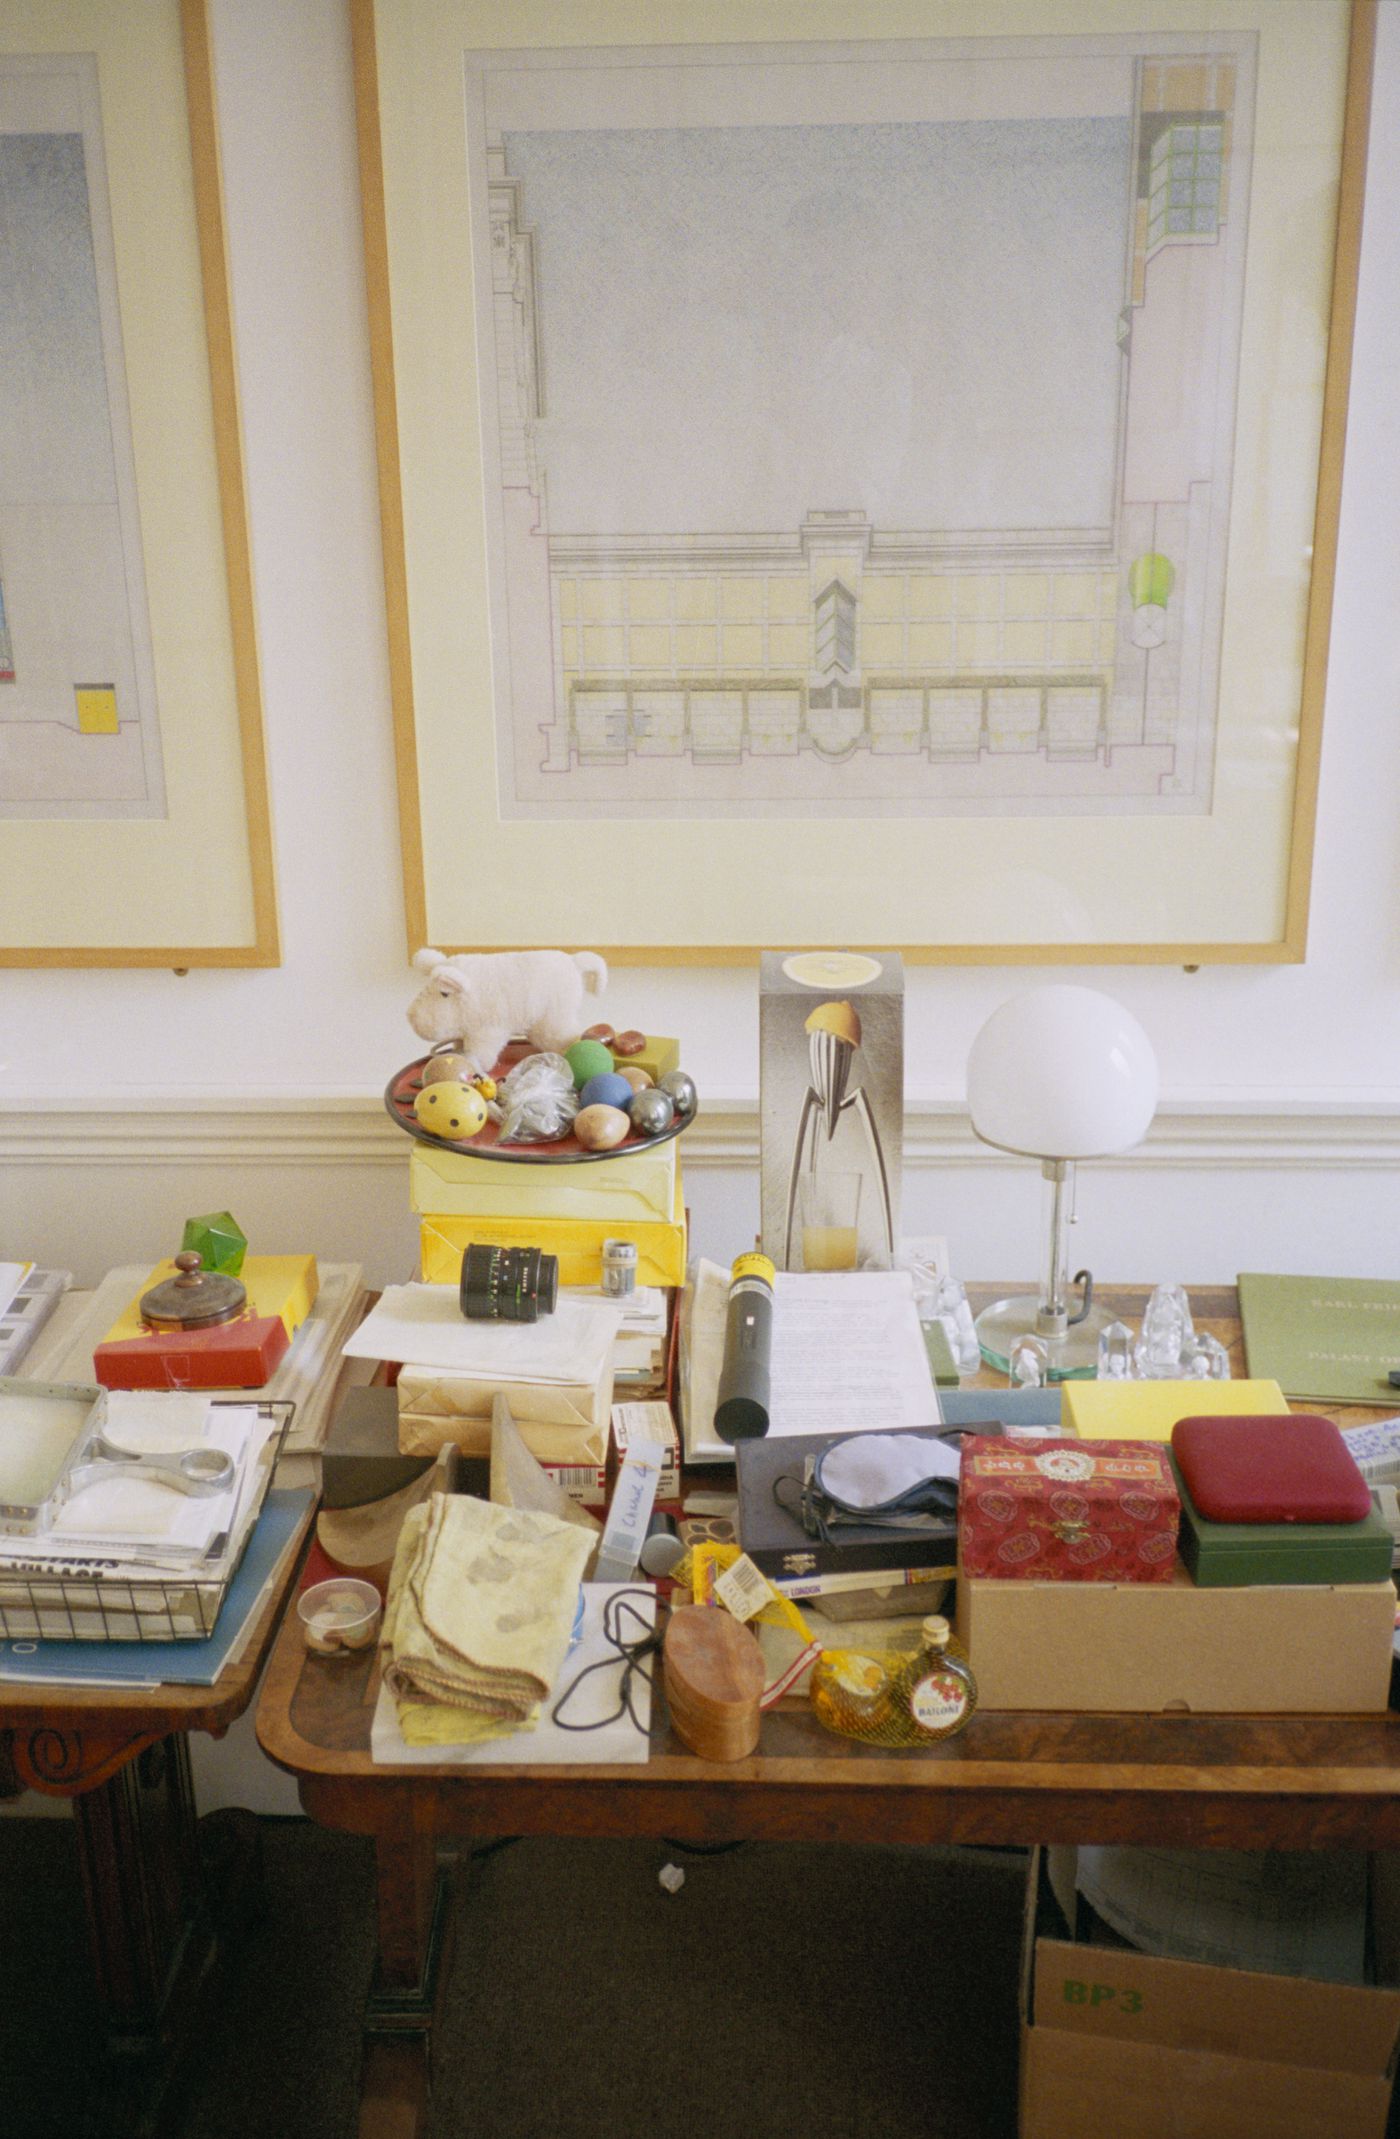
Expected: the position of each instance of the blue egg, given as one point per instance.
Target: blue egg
(609, 1090)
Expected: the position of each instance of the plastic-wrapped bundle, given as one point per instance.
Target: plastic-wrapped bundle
(537, 1101)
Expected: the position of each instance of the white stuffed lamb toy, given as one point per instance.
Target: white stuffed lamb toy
(482, 999)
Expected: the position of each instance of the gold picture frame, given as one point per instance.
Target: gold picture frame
(133, 782)
(1089, 733)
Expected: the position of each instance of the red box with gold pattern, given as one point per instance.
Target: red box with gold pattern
(1066, 1511)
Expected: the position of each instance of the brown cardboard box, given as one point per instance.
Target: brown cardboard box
(1113, 2040)
(1146, 1648)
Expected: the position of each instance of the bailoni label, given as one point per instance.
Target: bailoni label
(939, 1701)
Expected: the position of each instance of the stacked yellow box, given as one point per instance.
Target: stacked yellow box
(567, 1210)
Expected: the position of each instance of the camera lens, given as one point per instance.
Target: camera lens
(508, 1284)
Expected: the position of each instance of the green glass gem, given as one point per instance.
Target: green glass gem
(220, 1239)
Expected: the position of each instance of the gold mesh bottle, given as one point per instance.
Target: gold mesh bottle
(892, 1699)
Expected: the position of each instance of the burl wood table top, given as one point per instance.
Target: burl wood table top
(1230, 1781)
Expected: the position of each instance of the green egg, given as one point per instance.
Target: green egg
(588, 1058)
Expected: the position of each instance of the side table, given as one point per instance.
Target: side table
(159, 1885)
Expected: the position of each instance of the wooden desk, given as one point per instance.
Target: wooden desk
(1190, 1781)
(157, 1883)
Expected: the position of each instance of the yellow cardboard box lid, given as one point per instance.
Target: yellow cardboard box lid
(638, 1186)
(1148, 1410)
(282, 1285)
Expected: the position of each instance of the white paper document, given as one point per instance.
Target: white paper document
(848, 1354)
(423, 1326)
(12, 1276)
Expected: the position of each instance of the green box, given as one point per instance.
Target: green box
(1231, 1555)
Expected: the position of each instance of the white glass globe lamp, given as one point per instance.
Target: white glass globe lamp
(1058, 1073)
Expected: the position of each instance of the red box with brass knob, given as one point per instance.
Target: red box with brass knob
(1066, 1510)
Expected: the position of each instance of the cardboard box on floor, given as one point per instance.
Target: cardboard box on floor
(1122, 2042)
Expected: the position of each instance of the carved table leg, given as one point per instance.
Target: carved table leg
(148, 1927)
(413, 1912)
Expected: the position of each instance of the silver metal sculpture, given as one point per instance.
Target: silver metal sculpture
(833, 1041)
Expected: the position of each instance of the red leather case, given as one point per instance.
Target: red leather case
(1289, 1467)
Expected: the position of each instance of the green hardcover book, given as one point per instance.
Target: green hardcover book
(942, 1364)
(1246, 1555)
(1323, 1339)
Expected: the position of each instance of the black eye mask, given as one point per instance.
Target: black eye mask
(887, 1481)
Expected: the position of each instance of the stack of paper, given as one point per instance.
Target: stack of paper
(639, 1356)
(128, 1558)
(174, 1663)
(424, 1325)
(127, 1512)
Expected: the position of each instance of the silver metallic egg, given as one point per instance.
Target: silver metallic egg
(651, 1111)
(681, 1086)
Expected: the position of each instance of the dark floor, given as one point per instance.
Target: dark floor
(785, 1990)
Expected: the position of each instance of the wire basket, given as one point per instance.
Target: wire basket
(86, 1602)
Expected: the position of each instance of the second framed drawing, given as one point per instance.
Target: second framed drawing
(134, 817)
(876, 492)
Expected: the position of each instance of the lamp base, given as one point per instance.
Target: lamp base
(1073, 1356)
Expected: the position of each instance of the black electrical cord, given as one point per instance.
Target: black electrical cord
(635, 1637)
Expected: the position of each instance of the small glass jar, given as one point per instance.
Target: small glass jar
(619, 1268)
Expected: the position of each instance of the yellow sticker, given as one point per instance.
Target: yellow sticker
(97, 708)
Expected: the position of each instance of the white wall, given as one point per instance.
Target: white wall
(128, 1099)
(96, 1066)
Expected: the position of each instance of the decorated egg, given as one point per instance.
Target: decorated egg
(637, 1078)
(609, 1090)
(651, 1111)
(447, 1069)
(588, 1058)
(629, 1043)
(604, 1033)
(600, 1128)
(454, 1111)
(681, 1087)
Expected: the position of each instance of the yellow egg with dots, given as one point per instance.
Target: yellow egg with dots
(453, 1111)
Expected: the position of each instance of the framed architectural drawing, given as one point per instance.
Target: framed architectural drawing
(874, 492)
(133, 793)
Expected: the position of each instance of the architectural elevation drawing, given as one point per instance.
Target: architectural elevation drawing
(78, 728)
(850, 447)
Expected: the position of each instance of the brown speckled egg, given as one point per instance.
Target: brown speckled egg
(629, 1043)
(604, 1033)
(447, 1069)
(638, 1079)
(599, 1128)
